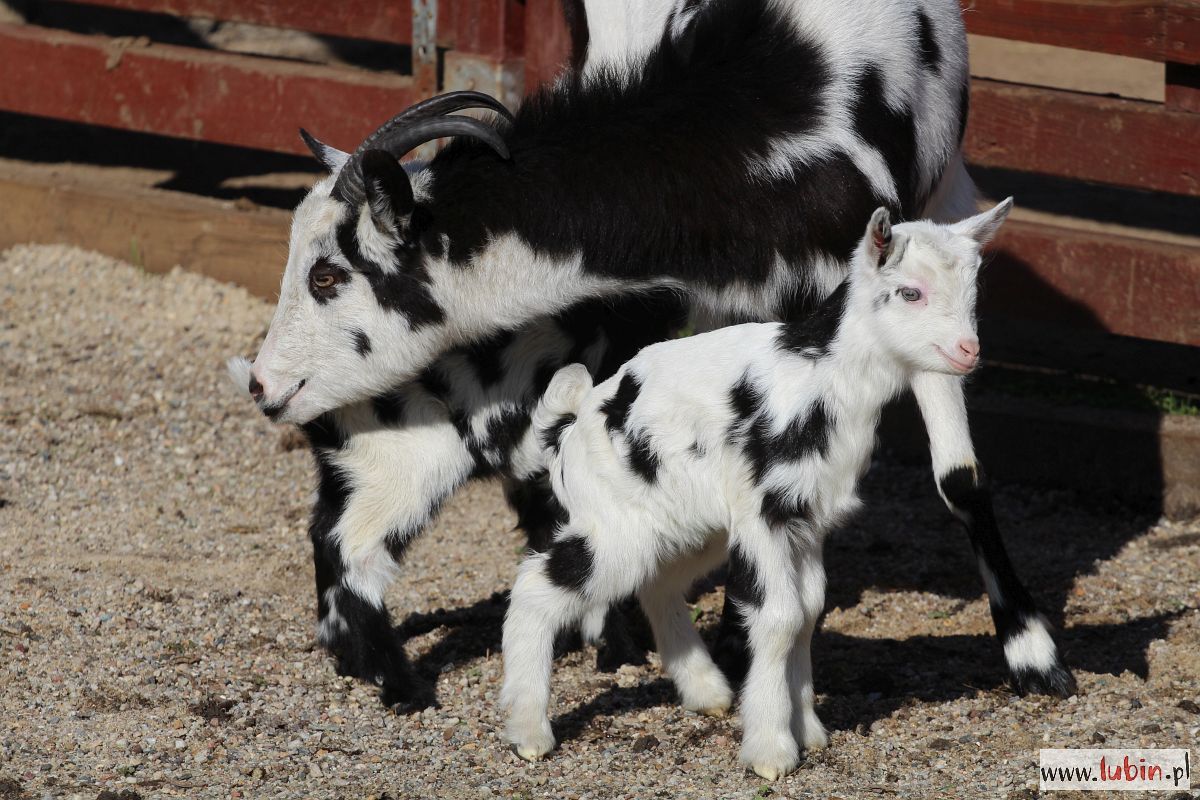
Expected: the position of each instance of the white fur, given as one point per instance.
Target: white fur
(654, 537)
(1032, 648)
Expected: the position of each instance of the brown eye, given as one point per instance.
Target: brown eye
(910, 294)
(323, 280)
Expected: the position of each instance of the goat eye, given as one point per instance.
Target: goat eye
(910, 294)
(323, 281)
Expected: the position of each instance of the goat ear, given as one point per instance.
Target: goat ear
(389, 193)
(982, 227)
(879, 237)
(330, 157)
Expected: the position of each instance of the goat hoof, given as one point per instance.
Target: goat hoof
(529, 753)
(768, 772)
(715, 711)
(1056, 681)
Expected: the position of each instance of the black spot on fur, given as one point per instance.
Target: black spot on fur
(570, 563)
(389, 407)
(803, 437)
(553, 434)
(539, 513)
(686, 126)
(403, 288)
(616, 408)
(642, 458)
(812, 335)
(744, 399)
(492, 452)
(893, 133)
(323, 433)
(362, 342)
(881, 300)
(487, 356)
(779, 508)
(931, 54)
(747, 590)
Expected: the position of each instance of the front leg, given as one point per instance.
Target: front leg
(379, 486)
(1029, 649)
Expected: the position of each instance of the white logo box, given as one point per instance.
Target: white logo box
(1115, 769)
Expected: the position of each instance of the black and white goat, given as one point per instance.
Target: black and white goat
(732, 161)
(746, 442)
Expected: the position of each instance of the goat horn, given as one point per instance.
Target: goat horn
(393, 134)
(399, 140)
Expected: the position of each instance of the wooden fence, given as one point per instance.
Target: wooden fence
(1126, 284)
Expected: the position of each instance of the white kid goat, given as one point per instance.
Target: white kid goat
(745, 443)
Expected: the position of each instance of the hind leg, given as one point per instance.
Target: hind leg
(570, 584)
(701, 685)
(539, 514)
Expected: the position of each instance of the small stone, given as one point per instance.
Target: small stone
(643, 743)
(1190, 706)
(1098, 737)
(1135, 704)
(940, 744)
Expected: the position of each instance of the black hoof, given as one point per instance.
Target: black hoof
(1056, 681)
(408, 698)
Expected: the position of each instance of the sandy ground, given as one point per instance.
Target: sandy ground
(156, 622)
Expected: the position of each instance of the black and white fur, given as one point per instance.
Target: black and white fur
(385, 466)
(747, 442)
(732, 160)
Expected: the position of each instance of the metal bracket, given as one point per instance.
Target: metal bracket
(424, 46)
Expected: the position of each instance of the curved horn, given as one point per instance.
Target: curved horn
(391, 135)
(454, 101)
(400, 139)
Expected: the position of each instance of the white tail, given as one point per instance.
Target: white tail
(563, 396)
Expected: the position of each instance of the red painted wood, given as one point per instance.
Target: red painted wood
(358, 19)
(1183, 87)
(547, 42)
(491, 28)
(189, 93)
(1096, 281)
(1125, 27)
(1122, 142)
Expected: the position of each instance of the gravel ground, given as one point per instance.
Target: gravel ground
(156, 623)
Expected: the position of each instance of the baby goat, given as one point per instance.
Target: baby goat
(748, 443)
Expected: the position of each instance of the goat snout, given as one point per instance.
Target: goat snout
(256, 388)
(967, 350)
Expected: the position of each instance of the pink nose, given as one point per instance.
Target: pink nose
(968, 350)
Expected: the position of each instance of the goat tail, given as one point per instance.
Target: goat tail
(239, 373)
(557, 409)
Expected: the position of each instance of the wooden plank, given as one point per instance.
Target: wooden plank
(1122, 142)
(491, 28)
(1095, 281)
(548, 42)
(1158, 31)
(189, 93)
(356, 19)
(1183, 87)
(156, 229)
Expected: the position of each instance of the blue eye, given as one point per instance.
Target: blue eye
(910, 294)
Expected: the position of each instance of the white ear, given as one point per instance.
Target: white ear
(878, 238)
(982, 227)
